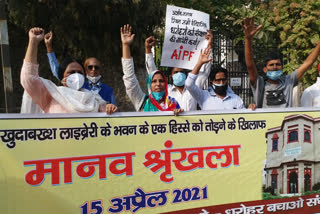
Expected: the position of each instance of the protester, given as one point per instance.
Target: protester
(157, 98)
(178, 75)
(277, 90)
(69, 98)
(217, 96)
(93, 70)
(311, 96)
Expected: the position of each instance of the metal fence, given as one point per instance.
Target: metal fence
(227, 55)
(230, 56)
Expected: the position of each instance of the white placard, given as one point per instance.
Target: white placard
(184, 37)
(235, 81)
(292, 151)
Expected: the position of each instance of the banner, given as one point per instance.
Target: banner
(184, 37)
(198, 162)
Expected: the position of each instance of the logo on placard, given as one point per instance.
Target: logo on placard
(185, 55)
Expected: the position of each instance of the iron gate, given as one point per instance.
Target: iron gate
(228, 56)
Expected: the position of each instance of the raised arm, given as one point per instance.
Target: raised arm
(35, 37)
(48, 42)
(203, 75)
(148, 44)
(203, 58)
(249, 31)
(29, 76)
(194, 90)
(126, 39)
(309, 61)
(53, 62)
(130, 80)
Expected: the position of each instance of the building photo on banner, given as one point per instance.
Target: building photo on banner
(218, 162)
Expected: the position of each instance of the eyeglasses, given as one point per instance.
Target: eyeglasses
(90, 67)
(219, 80)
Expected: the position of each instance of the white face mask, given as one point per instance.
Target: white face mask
(95, 79)
(75, 81)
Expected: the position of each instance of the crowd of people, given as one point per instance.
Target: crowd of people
(82, 91)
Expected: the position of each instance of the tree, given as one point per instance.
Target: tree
(82, 29)
(298, 24)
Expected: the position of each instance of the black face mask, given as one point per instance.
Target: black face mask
(221, 90)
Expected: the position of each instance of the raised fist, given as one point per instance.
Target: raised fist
(36, 34)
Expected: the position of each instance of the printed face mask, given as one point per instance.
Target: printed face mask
(75, 81)
(274, 75)
(94, 80)
(220, 88)
(179, 79)
(157, 95)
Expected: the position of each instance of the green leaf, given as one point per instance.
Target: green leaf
(271, 28)
(260, 35)
(230, 18)
(315, 39)
(237, 22)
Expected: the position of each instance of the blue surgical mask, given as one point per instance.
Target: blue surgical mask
(274, 75)
(179, 79)
(157, 95)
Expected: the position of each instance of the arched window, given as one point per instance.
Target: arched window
(293, 136)
(307, 136)
(275, 142)
(293, 182)
(307, 179)
(274, 179)
(307, 182)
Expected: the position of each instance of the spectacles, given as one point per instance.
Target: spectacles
(90, 67)
(219, 80)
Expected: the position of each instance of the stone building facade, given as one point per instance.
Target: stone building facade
(293, 155)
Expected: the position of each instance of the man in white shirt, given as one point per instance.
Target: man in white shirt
(177, 89)
(218, 96)
(311, 96)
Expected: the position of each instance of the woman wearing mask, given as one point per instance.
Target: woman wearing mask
(92, 67)
(157, 99)
(69, 98)
(178, 76)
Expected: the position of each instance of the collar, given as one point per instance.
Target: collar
(318, 81)
(173, 87)
(94, 85)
